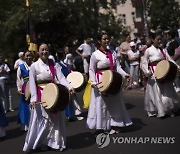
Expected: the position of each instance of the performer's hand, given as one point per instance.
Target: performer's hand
(128, 77)
(93, 86)
(72, 91)
(150, 74)
(32, 105)
(20, 92)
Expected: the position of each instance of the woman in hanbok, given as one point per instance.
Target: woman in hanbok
(160, 98)
(46, 129)
(73, 110)
(106, 113)
(22, 79)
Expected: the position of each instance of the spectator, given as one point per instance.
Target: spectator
(133, 56)
(4, 89)
(19, 61)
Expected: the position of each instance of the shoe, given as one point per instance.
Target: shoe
(26, 128)
(151, 114)
(62, 149)
(135, 83)
(11, 110)
(171, 114)
(80, 118)
(113, 131)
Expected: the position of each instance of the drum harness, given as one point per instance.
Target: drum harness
(152, 71)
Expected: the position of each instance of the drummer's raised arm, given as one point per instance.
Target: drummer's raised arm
(61, 78)
(18, 79)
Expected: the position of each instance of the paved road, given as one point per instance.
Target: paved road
(81, 140)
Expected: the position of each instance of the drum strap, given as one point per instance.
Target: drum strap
(152, 66)
(164, 56)
(39, 93)
(98, 72)
(109, 55)
(24, 87)
(51, 67)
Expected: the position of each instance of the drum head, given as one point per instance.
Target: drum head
(76, 79)
(106, 80)
(27, 92)
(49, 95)
(162, 69)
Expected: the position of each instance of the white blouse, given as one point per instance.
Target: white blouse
(153, 54)
(40, 71)
(100, 61)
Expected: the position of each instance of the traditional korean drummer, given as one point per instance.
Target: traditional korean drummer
(160, 98)
(106, 113)
(45, 128)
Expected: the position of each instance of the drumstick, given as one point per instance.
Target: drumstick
(98, 86)
(98, 83)
(40, 103)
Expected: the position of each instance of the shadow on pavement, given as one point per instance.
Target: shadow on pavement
(137, 125)
(14, 133)
(81, 140)
(129, 106)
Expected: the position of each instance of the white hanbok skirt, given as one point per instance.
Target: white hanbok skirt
(105, 112)
(45, 128)
(160, 98)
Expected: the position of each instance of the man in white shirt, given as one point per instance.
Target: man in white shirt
(133, 56)
(4, 91)
(84, 50)
(19, 61)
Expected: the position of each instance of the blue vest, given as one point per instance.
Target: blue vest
(24, 71)
(65, 70)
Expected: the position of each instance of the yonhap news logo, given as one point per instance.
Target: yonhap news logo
(104, 139)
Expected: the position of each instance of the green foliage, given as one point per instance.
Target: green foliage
(163, 13)
(57, 22)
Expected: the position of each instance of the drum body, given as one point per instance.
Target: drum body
(27, 92)
(77, 80)
(55, 97)
(165, 71)
(110, 83)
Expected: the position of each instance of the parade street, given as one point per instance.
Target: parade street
(147, 135)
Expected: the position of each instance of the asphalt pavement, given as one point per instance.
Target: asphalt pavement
(146, 135)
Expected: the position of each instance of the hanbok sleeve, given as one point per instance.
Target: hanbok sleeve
(144, 63)
(19, 79)
(92, 69)
(61, 78)
(32, 84)
(119, 68)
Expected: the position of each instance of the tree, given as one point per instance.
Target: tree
(165, 14)
(57, 22)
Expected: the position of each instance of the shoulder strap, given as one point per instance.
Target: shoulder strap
(164, 56)
(109, 55)
(51, 67)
